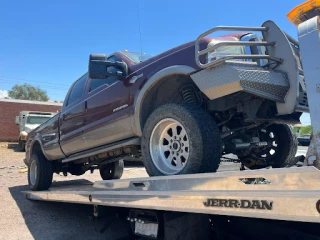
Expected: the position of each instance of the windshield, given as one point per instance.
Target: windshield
(36, 120)
(136, 57)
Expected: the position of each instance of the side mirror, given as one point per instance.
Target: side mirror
(100, 68)
(17, 120)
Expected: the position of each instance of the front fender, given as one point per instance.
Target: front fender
(152, 81)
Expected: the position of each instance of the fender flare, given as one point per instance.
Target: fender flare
(152, 81)
(37, 138)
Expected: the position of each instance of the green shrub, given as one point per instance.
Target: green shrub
(306, 130)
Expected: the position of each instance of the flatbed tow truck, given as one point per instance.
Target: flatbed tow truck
(256, 204)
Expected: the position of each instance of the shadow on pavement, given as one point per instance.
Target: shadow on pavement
(133, 164)
(14, 147)
(54, 220)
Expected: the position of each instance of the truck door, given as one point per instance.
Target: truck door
(72, 118)
(107, 113)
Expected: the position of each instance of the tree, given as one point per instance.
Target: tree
(28, 92)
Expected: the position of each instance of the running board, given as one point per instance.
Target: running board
(283, 194)
(102, 149)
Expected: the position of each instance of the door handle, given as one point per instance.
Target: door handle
(48, 136)
(86, 106)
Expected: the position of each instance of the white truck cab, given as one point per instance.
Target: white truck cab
(29, 120)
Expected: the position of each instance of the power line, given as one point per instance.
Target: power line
(44, 86)
(22, 79)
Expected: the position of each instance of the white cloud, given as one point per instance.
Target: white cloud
(3, 93)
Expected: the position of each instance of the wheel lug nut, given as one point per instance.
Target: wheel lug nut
(172, 152)
(182, 144)
(181, 151)
(171, 140)
(170, 147)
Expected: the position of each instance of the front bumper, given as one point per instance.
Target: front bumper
(230, 77)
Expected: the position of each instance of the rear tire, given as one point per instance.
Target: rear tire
(180, 139)
(40, 172)
(113, 170)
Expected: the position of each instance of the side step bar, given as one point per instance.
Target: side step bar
(283, 194)
(102, 149)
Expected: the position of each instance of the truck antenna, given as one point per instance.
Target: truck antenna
(139, 26)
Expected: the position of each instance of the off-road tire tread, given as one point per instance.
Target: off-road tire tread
(289, 145)
(205, 135)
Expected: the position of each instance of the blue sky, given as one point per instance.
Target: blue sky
(47, 43)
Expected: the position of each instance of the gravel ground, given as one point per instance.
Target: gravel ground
(24, 219)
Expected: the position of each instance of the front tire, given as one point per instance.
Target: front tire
(113, 170)
(22, 145)
(280, 152)
(40, 172)
(180, 139)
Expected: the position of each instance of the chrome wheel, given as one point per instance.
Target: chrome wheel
(33, 172)
(169, 146)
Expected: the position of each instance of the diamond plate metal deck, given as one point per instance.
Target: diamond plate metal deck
(231, 77)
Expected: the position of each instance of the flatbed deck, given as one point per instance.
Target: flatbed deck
(283, 194)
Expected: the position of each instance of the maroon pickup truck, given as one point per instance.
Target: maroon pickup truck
(179, 111)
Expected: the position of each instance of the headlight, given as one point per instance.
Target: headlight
(224, 51)
(23, 135)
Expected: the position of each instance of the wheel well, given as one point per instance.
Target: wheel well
(167, 90)
(36, 148)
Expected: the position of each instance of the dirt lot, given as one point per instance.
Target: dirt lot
(24, 219)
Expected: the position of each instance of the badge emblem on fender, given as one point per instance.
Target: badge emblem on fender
(119, 108)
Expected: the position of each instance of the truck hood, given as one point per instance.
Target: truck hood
(229, 37)
(29, 127)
